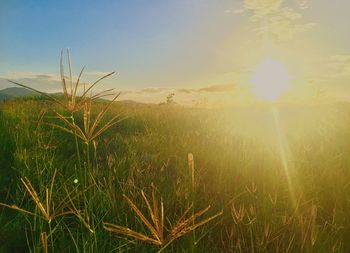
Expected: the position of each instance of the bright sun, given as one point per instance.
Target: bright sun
(271, 79)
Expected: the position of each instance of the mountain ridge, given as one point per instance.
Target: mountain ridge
(15, 92)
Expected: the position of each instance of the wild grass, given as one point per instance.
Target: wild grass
(68, 193)
(156, 227)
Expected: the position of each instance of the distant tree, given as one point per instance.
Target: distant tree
(170, 99)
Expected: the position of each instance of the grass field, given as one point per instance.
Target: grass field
(279, 175)
(179, 126)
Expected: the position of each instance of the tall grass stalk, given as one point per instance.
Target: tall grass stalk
(156, 225)
(190, 159)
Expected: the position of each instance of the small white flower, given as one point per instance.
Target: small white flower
(75, 181)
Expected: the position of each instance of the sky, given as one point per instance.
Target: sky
(201, 50)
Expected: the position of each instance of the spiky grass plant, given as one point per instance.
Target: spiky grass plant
(46, 208)
(76, 102)
(90, 130)
(73, 103)
(156, 226)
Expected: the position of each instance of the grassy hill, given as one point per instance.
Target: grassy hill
(15, 92)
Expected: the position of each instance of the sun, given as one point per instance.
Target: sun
(271, 80)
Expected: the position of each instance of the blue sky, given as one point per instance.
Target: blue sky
(132, 37)
(167, 44)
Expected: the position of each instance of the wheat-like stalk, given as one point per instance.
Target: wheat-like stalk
(72, 103)
(43, 239)
(47, 209)
(156, 222)
(91, 129)
(190, 160)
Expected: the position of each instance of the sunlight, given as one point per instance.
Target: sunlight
(271, 79)
(284, 154)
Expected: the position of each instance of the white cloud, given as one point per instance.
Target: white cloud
(262, 7)
(274, 20)
(46, 82)
(40, 81)
(97, 73)
(339, 65)
(238, 11)
(303, 4)
(30, 75)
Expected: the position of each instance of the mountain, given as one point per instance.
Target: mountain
(14, 92)
(17, 92)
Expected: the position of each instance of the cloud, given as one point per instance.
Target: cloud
(212, 88)
(218, 88)
(274, 20)
(165, 90)
(340, 58)
(303, 4)
(30, 75)
(187, 91)
(41, 81)
(148, 90)
(51, 83)
(238, 11)
(45, 77)
(153, 90)
(46, 82)
(262, 7)
(339, 65)
(97, 73)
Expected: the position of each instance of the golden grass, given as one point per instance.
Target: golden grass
(191, 167)
(47, 208)
(156, 222)
(73, 103)
(43, 240)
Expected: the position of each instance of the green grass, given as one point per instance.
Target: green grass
(300, 204)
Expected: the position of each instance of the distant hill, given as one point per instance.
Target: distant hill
(15, 92)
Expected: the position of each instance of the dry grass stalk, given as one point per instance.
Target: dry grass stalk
(238, 213)
(73, 103)
(191, 167)
(156, 224)
(47, 209)
(79, 214)
(43, 239)
(91, 129)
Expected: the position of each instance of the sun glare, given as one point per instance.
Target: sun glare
(271, 79)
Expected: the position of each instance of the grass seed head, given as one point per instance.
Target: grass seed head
(156, 222)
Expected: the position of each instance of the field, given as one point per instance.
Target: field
(276, 179)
